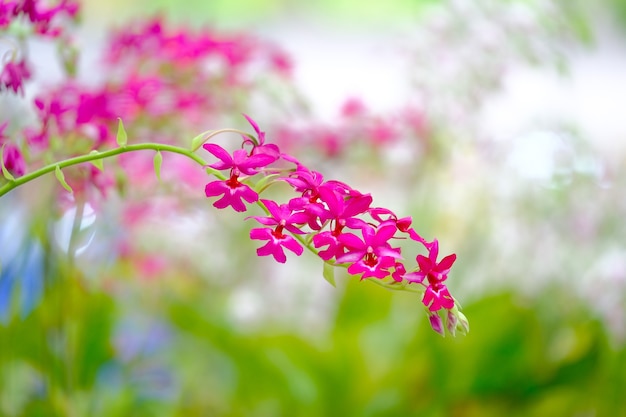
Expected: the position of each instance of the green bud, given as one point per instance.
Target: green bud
(122, 137)
(61, 177)
(158, 160)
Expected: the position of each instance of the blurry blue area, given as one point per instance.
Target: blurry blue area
(23, 275)
(33, 277)
(7, 281)
(22, 272)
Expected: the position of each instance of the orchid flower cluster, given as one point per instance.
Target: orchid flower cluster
(327, 217)
(332, 220)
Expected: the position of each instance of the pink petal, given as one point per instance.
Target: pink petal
(384, 233)
(221, 154)
(246, 193)
(253, 124)
(215, 188)
(291, 244)
(351, 257)
(261, 233)
(424, 263)
(249, 165)
(357, 205)
(446, 263)
(351, 241)
(388, 252)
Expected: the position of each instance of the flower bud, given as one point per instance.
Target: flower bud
(451, 322)
(436, 323)
(463, 324)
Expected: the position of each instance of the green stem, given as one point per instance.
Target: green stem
(11, 184)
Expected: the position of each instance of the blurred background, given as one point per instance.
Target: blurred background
(497, 125)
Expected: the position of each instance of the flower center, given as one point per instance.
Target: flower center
(233, 182)
(370, 259)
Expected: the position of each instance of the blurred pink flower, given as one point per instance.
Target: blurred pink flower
(13, 76)
(12, 157)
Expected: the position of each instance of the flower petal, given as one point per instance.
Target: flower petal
(221, 154)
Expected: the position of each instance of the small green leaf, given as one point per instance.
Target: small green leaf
(5, 171)
(122, 137)
(199, 140)
(329, 273)
(158, 160)
(61, 177)
(97, 162)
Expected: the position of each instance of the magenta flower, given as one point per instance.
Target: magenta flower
(232, 190)
(334, 247)
(435, 272)
(283, 218)
(372, 256)
(12, 157)
(13, 76)
(341, 212)
(305, 181)
(437, 295)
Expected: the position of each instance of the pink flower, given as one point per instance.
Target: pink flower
(232, 192)
(437, 295)
(435, 272)
(13, 160)
(12, 157)
(275, 244)
(13, 76)
(341, 212)
(353, 107)
(283, 218)
(7, 12)
(42, 18)
(372, 256)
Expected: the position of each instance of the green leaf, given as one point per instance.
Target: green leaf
(199, 140)
(329, 273)
(5, 171)
(158, 160)
(97, 162)
(122, 137)
(61, 177)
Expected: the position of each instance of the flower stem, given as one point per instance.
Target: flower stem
(94, 156)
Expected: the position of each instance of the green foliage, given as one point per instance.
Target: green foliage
(522, 358)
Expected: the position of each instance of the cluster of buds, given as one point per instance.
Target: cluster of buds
(332, 220)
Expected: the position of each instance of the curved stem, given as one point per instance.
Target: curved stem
(94, 156)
